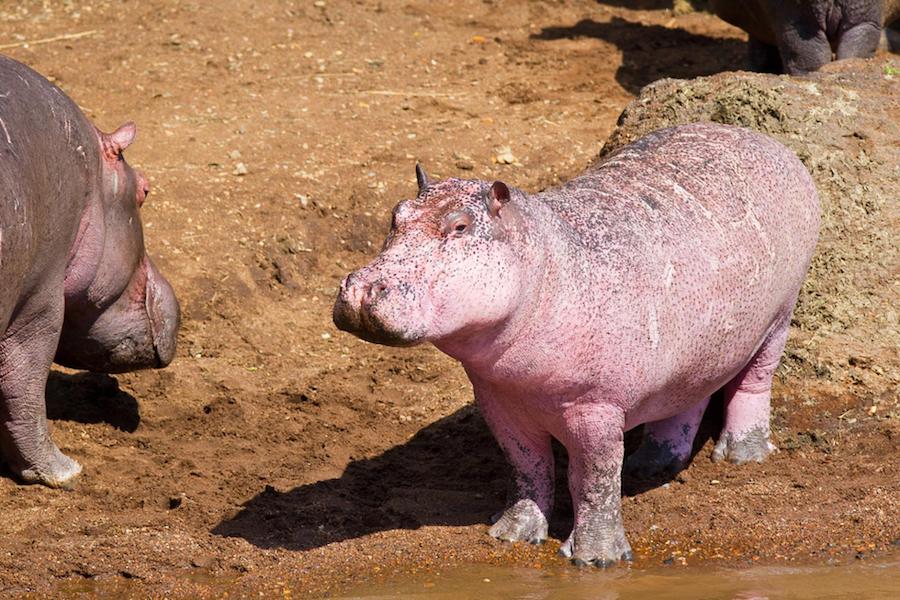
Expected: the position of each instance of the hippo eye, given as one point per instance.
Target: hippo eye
(457, 223)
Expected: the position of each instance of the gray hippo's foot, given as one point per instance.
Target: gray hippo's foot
(754, 446)
(596, 542)
(57, 471)
(521, 522)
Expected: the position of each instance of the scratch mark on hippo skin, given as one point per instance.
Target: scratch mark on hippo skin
(6, 131)
(653, 326)
(669, 274)
(689, 198)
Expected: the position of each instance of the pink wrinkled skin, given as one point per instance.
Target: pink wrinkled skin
(629, 295)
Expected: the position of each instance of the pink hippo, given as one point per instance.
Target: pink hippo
(628, 295)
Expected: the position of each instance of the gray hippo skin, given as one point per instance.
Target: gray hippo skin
(77, 288)
(797, 37)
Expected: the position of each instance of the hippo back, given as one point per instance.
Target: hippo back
(48, 153)
(692, 231)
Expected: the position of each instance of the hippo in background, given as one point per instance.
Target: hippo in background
(78, 288)
(799, 36)
(627, 296)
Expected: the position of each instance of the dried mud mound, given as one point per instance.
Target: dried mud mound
(843, 124)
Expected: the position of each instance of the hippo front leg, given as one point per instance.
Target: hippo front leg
(26, 352)
(527, 448)
(803, 46)
(594, 437)
(860, 40)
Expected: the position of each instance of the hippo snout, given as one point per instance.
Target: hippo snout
(356, 311)
(359, 293)
(164, 315)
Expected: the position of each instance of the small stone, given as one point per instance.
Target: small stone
(464, 162)
(505, 156)
(234, 154)
(240, 169)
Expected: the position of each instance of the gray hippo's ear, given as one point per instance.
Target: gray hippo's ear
(114, 143)
(497, 196)
(421, 178)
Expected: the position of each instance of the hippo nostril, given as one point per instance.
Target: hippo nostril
(376, 290)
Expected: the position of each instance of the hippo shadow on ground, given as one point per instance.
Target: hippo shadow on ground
(653, 52)
(449, 473)
(91, 398)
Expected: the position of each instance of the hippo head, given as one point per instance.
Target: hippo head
(121, 313)
(448, 267)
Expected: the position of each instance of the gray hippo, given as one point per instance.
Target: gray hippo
(78, 288)
(799, 36)
(629, 295)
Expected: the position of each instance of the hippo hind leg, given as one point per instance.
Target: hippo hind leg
(667, 445)
(745, 432)
(26, 352)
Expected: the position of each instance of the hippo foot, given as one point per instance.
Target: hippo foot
(59, 471)
(593, 546)
(653, 460)
(521, 522)
(753, 446)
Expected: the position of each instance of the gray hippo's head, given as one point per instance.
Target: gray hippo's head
(121, 313)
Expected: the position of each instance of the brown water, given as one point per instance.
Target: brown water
(857, 581)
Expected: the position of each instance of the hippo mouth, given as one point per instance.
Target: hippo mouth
(367, 326)
(163, 313)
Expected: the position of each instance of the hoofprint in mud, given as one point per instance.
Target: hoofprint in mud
(78, 288)
(629, 295)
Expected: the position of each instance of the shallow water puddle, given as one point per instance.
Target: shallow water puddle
(857, 581)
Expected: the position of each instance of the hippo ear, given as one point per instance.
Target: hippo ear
(114, 143)
(497, 196)
(421, 178)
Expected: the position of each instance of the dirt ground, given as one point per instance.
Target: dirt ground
(278, 455)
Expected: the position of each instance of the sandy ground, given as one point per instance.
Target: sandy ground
(277, 453)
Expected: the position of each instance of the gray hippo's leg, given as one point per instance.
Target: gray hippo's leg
(667, 444)
(859, 41)
(802, 42)
(530, 454)
(595, 441)
(745, 433)
(26, 352)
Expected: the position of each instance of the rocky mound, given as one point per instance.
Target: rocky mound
(843, 124)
